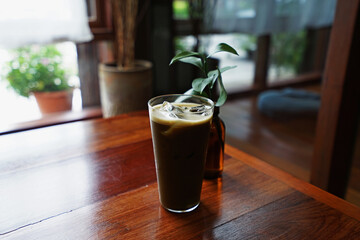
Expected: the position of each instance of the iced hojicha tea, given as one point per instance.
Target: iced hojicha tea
(180, 127)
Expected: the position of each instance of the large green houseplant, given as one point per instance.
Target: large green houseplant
(210, 85)
(38, 70)
(125, 85)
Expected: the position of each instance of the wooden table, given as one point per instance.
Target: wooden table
(96, 179)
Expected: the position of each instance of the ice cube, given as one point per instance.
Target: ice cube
(173, 115)
(198, 109)
(172, 110)
(166, 106)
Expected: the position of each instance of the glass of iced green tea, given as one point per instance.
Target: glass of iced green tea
(180, 126)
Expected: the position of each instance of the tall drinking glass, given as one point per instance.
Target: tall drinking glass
(180, 126)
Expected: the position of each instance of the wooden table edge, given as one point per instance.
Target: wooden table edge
(298, 184)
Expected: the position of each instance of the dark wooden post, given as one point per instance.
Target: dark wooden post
(337, 120)
(88, 73)
(262, 62)
(162, 46)
(316, 49)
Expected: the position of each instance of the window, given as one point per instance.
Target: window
(16, 28)
(273, 57)
(16, 108)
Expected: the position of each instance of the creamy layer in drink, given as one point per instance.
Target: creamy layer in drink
(180, 134)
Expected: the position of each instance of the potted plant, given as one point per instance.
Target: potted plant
(210, 85)
(127, 84)
(38, 70)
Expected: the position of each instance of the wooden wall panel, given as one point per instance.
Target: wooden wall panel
(338, 116)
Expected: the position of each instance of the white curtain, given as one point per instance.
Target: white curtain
(25, 22)
(259, 17)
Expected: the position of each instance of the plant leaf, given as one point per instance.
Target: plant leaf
(223, 94)
(196, 84)
(194, 61)
(191, 91)
(199, 84)
(224, 69)
(223, 47)
(184, 54)
(215, 73)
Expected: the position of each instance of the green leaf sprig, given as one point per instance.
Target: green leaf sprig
(205, 85)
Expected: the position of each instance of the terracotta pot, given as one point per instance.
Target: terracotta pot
(125, 90)
(51, 102)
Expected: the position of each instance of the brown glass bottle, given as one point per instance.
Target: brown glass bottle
(215, 155)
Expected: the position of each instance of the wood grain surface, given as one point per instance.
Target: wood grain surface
(96, 180)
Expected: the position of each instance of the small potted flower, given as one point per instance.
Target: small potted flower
(38, 71)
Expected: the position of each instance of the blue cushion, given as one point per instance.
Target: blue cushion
(288, 103)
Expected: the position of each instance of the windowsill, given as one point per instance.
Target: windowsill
(300, 80)
(53, 119)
